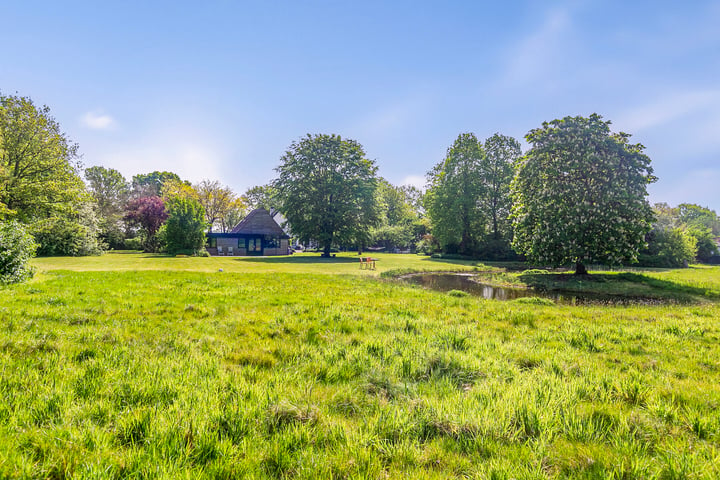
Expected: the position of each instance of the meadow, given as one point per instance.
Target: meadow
(145, 366)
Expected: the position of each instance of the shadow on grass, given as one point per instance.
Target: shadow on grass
(298, 260)
(626, 284)
(467, 262)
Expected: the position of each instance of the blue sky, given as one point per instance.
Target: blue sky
(219, 89)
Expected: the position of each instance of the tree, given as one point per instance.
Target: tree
(110, 191)
(666, 217)
(580, 195)
(326, 190)
(705, 246)
(16, 249)
(695, 216)
(185, 226)
(261, 196)
(38, 164)
(219, 202)
(452, 201)
(397, 217)
(149, 214)
(668, 248)
(501, 154)
(151, 184)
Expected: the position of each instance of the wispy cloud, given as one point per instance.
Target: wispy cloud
(668, 108)
(395, 116)
(536, 53)
(97, 121)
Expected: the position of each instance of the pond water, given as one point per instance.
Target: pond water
(445, 282)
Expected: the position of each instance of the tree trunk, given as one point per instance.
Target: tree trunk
(580, 269)
(326, 250)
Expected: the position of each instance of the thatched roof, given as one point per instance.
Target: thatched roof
(259, 222)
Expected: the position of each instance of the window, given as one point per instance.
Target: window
(271, 242)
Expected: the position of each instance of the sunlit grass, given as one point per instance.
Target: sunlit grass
(312, 369)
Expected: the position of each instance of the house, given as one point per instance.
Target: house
(256, 234)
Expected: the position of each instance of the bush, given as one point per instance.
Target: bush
(705, 241)
(58, 236)
(135, 243)
(668, 248)
(16, 249)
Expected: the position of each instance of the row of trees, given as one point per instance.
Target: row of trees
(139, 207)
(468, 199)
(43, 197)
(577, 196)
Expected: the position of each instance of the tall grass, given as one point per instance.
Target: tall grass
(281, 374)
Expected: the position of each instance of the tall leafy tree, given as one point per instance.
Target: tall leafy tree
(38, 164)
(580, 195)
(452, 200)
(110, 190)
(501, 153)
(326, 189)
(151, 184)
(695, 216)
(397, 216)
(219, 202)
(185, 225)
(261, 196)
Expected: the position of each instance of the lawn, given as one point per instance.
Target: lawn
(141, 366)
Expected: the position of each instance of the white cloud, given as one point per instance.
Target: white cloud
(97, 121)
(414, 180)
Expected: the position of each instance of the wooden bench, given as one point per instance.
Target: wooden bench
(367, 263)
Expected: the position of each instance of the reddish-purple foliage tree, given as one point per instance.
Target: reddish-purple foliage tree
(149, 214)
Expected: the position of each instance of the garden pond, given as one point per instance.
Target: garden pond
(468, 282)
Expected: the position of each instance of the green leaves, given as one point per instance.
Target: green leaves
(16, 249)
(38, 164)
(579, 194)
(185, 226)
(326, 188)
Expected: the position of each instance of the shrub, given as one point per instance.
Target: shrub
(705, 242)
(135, 243)
(64, 237)
(16, 249)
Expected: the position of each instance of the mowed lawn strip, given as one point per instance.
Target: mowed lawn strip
(274, 373)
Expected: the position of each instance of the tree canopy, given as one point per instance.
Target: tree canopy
(149, 214)
(452, 200)
(185, 226)
(501, 154)
(151, 184)
(110, 191)
(326, 189)
(38, 164)
(580, 195)
(219, 203)
(261, 196)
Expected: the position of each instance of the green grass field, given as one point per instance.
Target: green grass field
(142, 366)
